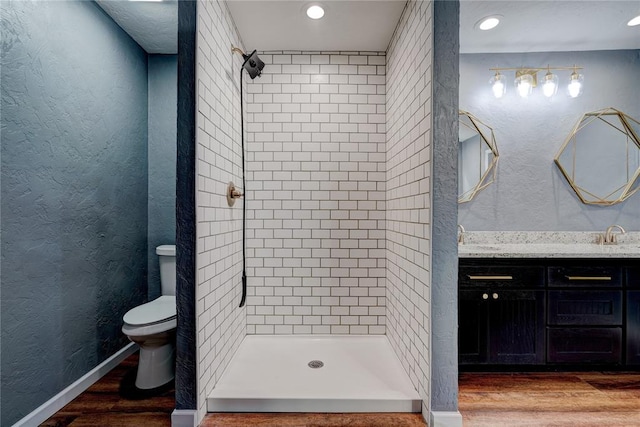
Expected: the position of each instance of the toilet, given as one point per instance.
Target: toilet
(153, 327)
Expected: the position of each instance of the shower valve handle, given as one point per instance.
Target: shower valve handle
(232, 194)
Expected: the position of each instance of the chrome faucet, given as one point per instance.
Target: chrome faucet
(609, 237)
(461, 234)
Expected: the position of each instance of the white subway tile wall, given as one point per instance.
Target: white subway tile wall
(408, 195)
(220, 324)
(316, 188)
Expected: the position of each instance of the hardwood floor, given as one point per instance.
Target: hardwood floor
(107, 403)
(313, 420)
(485, 399)
(550, 399)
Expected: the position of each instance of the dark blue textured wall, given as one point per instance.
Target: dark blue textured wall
(186, 351)
(444, 255)
(73, 194)
(163, 94)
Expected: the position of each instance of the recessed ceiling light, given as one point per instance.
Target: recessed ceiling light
(315, 12)
(634, 21)
(488, 22)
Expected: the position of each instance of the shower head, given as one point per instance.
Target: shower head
(252, 63)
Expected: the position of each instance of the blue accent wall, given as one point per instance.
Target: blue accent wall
(163, 94)
(444, 247)
(73, 194)
(530, 193)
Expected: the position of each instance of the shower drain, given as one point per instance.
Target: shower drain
(315, 364)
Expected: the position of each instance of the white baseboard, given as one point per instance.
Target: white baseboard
(184, 418)
(445, 419)
(57, 402)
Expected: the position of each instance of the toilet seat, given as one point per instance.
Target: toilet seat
(153, 317)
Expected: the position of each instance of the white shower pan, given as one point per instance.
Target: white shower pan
(272, 374)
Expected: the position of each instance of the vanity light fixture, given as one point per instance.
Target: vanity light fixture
(527, 80)
(575, 84)
(550, 85)
(498, 85)
(315, 11)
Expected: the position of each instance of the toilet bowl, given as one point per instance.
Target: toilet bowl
(153, 325)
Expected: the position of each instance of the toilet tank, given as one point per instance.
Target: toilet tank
(167, 258)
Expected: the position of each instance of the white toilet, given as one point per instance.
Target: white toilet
(153, 327)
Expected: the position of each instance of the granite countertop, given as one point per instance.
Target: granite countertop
(545, 244)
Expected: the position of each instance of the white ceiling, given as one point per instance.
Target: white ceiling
(549, 26)
(527, 26)
(348, 25)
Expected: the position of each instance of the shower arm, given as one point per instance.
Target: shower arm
(237, 50)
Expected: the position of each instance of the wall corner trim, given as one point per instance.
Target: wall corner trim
(184, 418)
(57, 402)
(445, 419)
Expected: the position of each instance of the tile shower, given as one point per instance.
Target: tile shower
(316, 194)
(337, 193)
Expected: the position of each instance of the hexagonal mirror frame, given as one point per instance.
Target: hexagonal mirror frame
(618, 122)
(489, 158)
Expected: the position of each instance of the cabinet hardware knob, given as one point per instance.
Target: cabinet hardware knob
(495, 296)
(485, 296)
(474, 277)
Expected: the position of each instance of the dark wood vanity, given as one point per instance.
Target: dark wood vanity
(549, 313)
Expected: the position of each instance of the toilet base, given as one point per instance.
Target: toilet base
(156, 365)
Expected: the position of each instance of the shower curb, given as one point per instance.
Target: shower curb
(445, 419)
(184, 418)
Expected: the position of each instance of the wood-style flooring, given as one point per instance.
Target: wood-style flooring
(313, 420)
(104, 405)
(485, 400)
(550, 399)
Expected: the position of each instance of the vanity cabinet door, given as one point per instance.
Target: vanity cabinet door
(516, 327)
(473, 327)
(501, 327)
(633, 327)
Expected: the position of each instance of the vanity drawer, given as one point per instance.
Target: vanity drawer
(584, 276)
(500, 276)
(584, 345)
(585, 308)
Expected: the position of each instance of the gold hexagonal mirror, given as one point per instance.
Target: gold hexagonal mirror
(601, 157)
(477, 156)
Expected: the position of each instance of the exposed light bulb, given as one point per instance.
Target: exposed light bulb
(498, 85)
(575, 85)
(550, 85)
(524, 85)
(315, 12)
